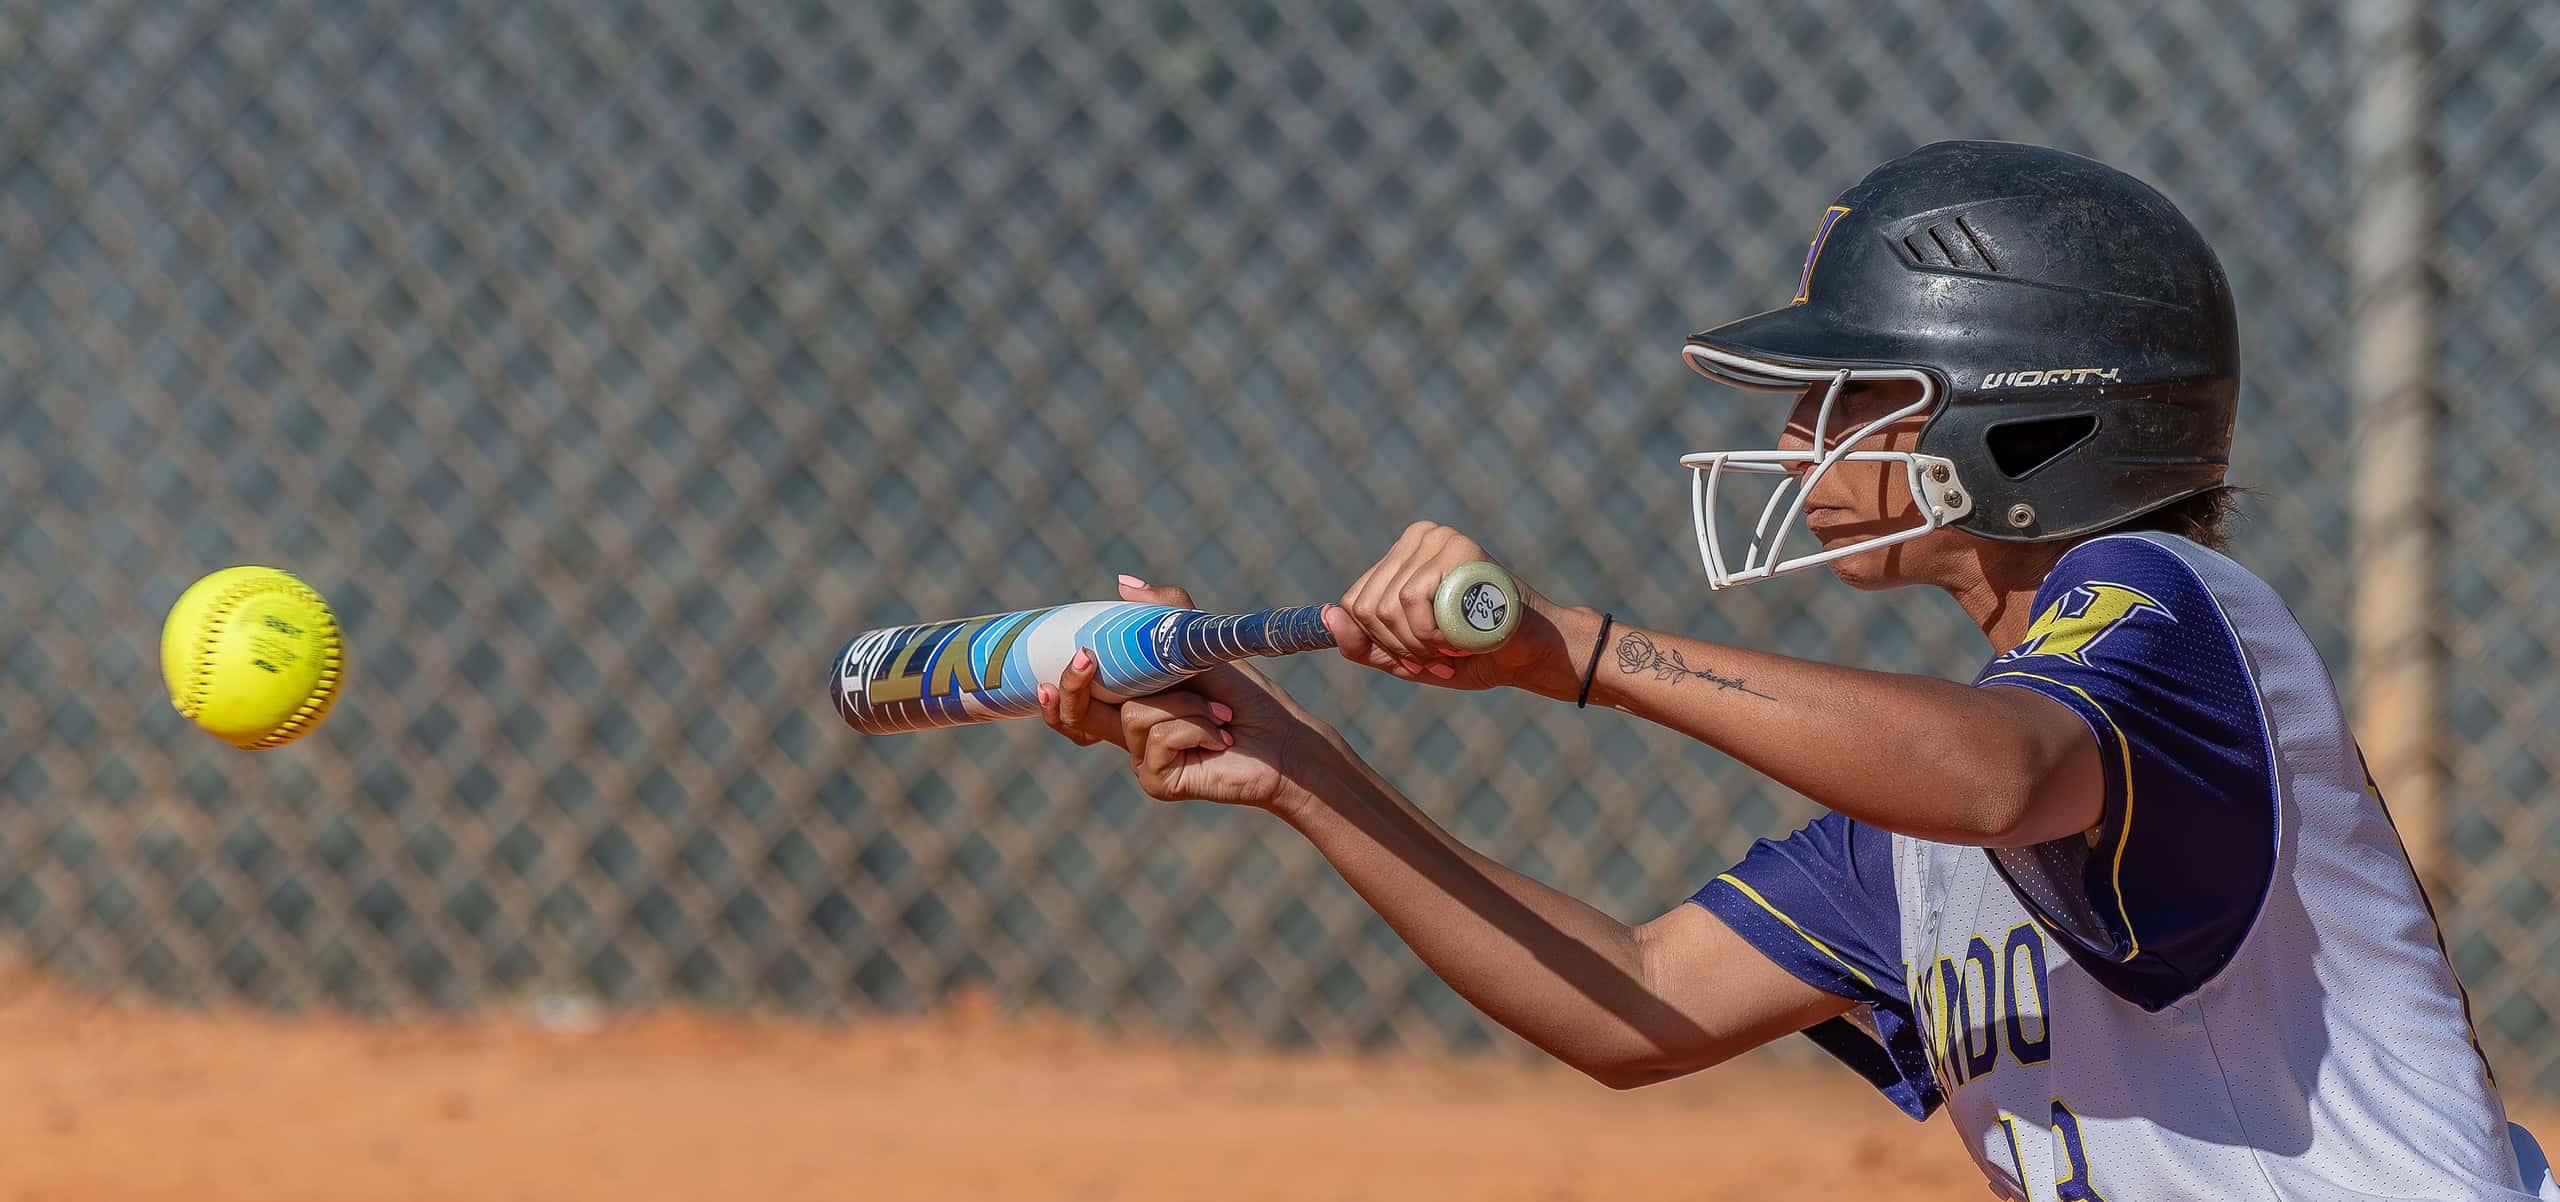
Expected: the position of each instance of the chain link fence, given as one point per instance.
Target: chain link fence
(608, 364)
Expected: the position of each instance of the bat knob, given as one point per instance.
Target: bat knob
(1477, 607)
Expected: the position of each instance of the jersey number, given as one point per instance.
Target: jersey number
(2072, 1183)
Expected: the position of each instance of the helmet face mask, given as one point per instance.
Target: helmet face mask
(1937, 494)
(2072, 335)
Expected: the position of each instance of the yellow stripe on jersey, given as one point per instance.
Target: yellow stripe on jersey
(2124, 830)
(1781, 915)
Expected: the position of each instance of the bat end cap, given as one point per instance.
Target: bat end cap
(1477, 607)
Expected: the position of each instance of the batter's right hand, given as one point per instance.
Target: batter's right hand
(1385, 622)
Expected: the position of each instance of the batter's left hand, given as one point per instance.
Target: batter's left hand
(1226, 735)
(1385, 620)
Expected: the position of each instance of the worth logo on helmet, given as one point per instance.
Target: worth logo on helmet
(2059, 375)
(2073, 625)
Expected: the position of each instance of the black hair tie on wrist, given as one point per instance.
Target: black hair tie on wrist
(1591, 669)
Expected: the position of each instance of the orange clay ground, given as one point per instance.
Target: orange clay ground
(101, 1102)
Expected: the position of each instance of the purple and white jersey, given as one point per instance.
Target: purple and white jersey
(2231, 989)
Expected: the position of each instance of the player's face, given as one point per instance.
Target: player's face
(1858, 499)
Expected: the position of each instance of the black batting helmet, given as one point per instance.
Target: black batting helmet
(2072, 331)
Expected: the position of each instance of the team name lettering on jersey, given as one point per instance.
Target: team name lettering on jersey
(1988, 1001)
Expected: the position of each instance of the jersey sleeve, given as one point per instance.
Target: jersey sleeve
(1820, 903)
(2156, 899)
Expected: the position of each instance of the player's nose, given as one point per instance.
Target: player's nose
(1797, 436)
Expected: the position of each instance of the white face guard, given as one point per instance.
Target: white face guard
(1936, 493)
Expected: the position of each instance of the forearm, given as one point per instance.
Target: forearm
(1912, 754)
(1557, 972)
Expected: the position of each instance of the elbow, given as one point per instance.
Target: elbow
(2005, 820)
(1989, 794)
(1625, 1077)
(2046, 781)
(1617, 1070)
(1644, 1039)
(1633, 1071)
(2003, 787)
(2023, 805)
(1994, 806)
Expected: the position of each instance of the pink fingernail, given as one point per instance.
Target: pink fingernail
(1045, 692)
(1410, 666)
(1219, 710)
(1129, 581)
(1229, 736)
(1083, 660)
(1443, 671)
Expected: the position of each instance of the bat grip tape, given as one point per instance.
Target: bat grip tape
(1207, 640)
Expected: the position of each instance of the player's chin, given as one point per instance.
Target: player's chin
(1872, 571)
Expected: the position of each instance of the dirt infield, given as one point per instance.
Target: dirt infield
(105, 1103)
(101, 1102)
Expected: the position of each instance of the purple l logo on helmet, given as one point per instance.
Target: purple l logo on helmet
(1804, 283)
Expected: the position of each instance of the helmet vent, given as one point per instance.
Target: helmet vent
(2020, 447)
(1950, 244)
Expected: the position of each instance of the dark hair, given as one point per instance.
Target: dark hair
(2199, 518)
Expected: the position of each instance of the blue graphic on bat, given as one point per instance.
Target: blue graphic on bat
(988, 668)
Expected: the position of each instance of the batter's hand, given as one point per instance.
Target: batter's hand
(1385, 621)
(1226, 735)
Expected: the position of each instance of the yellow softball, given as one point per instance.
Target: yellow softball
(252, 655)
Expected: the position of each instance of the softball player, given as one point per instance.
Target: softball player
(2127, 904)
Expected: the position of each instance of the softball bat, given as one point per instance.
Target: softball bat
(989, 668)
